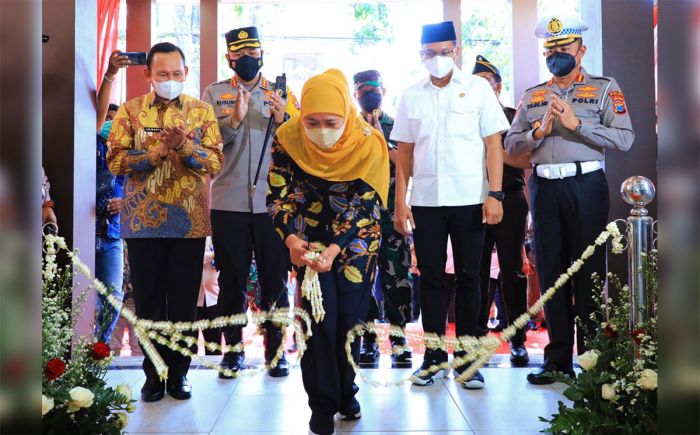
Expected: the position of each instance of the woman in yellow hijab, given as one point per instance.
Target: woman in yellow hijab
(328, 179)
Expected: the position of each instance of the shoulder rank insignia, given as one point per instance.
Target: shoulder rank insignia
(234, 82)
(579, 78)
(618, 99)
(264, 83)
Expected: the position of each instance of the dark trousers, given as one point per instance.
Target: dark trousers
(508, 236)
(166, 275)
(211, 335)
(236, 236)
(328, 377)
(569, 214)
(464, 226)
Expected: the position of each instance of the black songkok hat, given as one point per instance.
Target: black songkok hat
(438, 32)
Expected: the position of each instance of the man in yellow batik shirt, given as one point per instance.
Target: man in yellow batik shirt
(165, 143)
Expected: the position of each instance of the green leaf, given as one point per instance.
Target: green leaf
(573, 394)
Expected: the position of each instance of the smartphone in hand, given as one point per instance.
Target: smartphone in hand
(135, 57)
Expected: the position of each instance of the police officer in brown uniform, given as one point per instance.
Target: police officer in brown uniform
(241, 225)
(568, 123)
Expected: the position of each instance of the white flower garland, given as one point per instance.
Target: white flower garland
(311, 289)
(477, 350)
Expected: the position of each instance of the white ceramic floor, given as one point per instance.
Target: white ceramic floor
(261, 404)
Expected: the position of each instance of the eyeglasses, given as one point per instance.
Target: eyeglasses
(429, 54)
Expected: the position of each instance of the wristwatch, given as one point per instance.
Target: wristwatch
(499, 195)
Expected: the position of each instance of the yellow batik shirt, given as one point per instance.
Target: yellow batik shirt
(164, 197)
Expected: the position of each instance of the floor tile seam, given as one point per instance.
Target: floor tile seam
(459, 408)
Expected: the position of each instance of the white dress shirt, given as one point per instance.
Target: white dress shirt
(447, 126)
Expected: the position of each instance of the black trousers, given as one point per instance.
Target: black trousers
(464, 226)
(569, 214)
(508, 237)
(166, 275)
(328, 377)
(236, 236)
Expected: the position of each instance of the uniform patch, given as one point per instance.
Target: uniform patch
(579, 78)
(540, 93)
(618, 99)
(227, 96)
(234, 82)
(537, 99)
(586, 95)
(588, 88)
(227, 110)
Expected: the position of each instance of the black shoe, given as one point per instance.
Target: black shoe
(519, 356)
(351, 411)
(153, 390)
(281, 369)
(321, 424)
(544, 375)
(369, 352)
(430, 378)
(233, 361)
(179, 388)
(403, 359)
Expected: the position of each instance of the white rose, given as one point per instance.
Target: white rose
(80, 398)
(648, 379)
(608, 392)
(46, 404)
(588, 360)
(124, 390)
(122, 420)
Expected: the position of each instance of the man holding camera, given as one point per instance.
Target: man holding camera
(245, 105)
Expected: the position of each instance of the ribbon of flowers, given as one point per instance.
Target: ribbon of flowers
(478, 351)
(169, 333)
(311, 289)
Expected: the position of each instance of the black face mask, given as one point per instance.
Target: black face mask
(247, 67)
(370, 101)
(560, 64)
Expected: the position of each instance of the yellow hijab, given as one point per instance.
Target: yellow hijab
(360, 153)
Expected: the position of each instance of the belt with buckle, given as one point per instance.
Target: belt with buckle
(563, 170)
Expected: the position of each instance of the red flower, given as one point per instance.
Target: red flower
(54, 368)
(637, 335)
(100, 350)
(609, 332)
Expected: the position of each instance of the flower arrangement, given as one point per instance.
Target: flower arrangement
(616, 391)
(75, 396)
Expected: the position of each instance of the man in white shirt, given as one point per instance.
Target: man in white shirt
(448, 127)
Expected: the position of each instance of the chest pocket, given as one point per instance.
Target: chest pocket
(463, 117)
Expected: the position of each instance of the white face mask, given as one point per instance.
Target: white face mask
(169, 90)
(324, 137)
(439, 66)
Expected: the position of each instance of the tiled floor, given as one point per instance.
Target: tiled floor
(261, 404)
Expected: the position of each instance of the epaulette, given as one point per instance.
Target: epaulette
(591, 76)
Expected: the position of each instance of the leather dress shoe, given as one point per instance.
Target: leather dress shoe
(281, 369)
(369, 351)
(519, 356)
(179, 388)
(543, 375)
(232, 361)
(153, 389)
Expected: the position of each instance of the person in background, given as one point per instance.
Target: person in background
(165, 143)
(395, 250)
(329, 178)
(208, 297)
(509, 235)
(244, 106)
(448, 127)
(567, 124)
(109, 247)
(47, 214)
